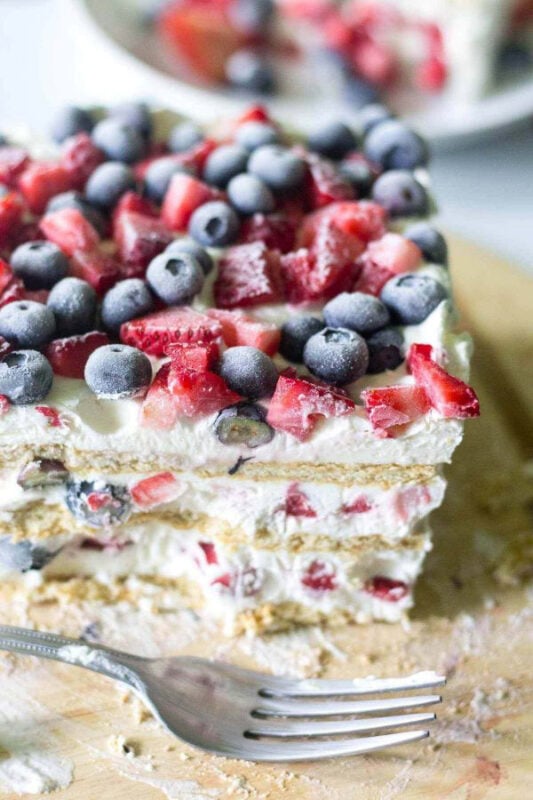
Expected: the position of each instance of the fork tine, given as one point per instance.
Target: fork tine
(290, 707)
(313, 751)
(280, 727)
(335, 688)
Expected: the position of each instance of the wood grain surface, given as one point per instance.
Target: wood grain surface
(473, 620)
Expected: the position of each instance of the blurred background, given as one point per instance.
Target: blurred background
(72, 51)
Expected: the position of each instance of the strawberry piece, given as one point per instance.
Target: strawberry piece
(69, 229)
(450, 396)
(158, 410)
(320, 577)
(431, 75)
(131, 201)
(23, 232)
(374, 61)
(80, 157)
(156, 490)
(199, 393)
(386, 589)
(183, 197)
(325, 184)
(394, 405)
(411, 501)
(6, 275)
(68, 356)
(255, 113)
(297, 406)
(14, 291)
(11, 213)
(99, 269)
(372, 278)
(189, 355)
(40, 182)
(275, 230)
(154, 332)
(361, 505)
(238, 329)
(52, 416)
(13, 161)
(209, 551)
(196, 157)
(297, 503)
(140, 239)
(393, 252)
(248, 275)
(363, 219)
(5, 405)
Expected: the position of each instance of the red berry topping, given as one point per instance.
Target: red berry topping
(131, 201)
(394, 405)
(297, 503)
(79, 158)
(40, 182)
(248, 275)
(13, 161)
(410, 501)
(386, 589)
(361, 505)
(209, 551)
(393, 252)
(238, 329)
(320, 577)
(450, 396)
(68, 356)
(374, 61)
(52, 416)
(297, 406)
(184, 195)
(199, 393)
(11, 213)
(14, 291)
(360, 218)
(196, 157)
(189, 355)
(156, 490)
(159, 410)
(140, 239)
(372, 277)
(70, 230)
(431, 74)
(156, 331)
(6, 275)
(275, 230)
(5, 405)
(257, 113)
(99, 269)
(325, 184)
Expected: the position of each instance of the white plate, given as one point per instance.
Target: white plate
(115, 28)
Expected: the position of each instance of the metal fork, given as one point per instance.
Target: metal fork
(238, 713)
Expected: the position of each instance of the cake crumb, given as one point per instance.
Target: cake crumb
(119, 745)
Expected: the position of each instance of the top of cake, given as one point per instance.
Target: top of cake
(227, 294)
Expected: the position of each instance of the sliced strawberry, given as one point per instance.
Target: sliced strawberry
(325, 184)
(320, 577)
(69, 229)
(51, 415)
(297, 503)
(199, 393)
(6, 275)
(372, 277)
(394, 405)
(238, 329)
(155, 332)
(248, 275)
(196, 157)
(5, 405)
(13, 161)
(209, 551)
(14, 291)
(156, 490)
(189, 355)
(374, 61)
(139, 239)
(386, 589)
(255, 113)
(131, 201)
(102, 271)
(297, 406)
(158, 410)
(360, 218)
(450, 396)
(80, 157)
(361, 505)
(431, 75)
(40, 182)
(11, 214)
(183, 196)
(275, 230)
(68, 356)
(393, 252)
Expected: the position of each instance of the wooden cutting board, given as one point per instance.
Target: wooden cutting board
(473, 620)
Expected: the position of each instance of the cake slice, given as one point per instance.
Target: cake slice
(230, 371)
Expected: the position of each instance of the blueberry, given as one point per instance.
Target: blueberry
(136, 116)
(126, 300)
(119, 141)
(336, 355)
(243, 424)
(250, 195)
(393, 145)
(158, 175)
(295, 334)
(98, 504)
(333, 139)
(25, 555)
(175, 277)
(108, 183)
(250, 72)
(358, 93)
(359, 176)
(40, 264)
(25, 377)
(400, 194)
(117, 370)
(431, 242)
(277, 166)
(27, 324)
(70, 121)
(76, 200)
(254, 134)
(194, 249)
(224, 163)
(411, 297)
(384, 350)
(372, 115)
(248, 371)
(184, 136)
(357, 311)
(251, 16)
(73, 302)
(215, 224)
(42, 472)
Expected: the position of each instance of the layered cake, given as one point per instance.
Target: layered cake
(229, 364)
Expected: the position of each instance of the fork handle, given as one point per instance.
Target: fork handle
(104, 660)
